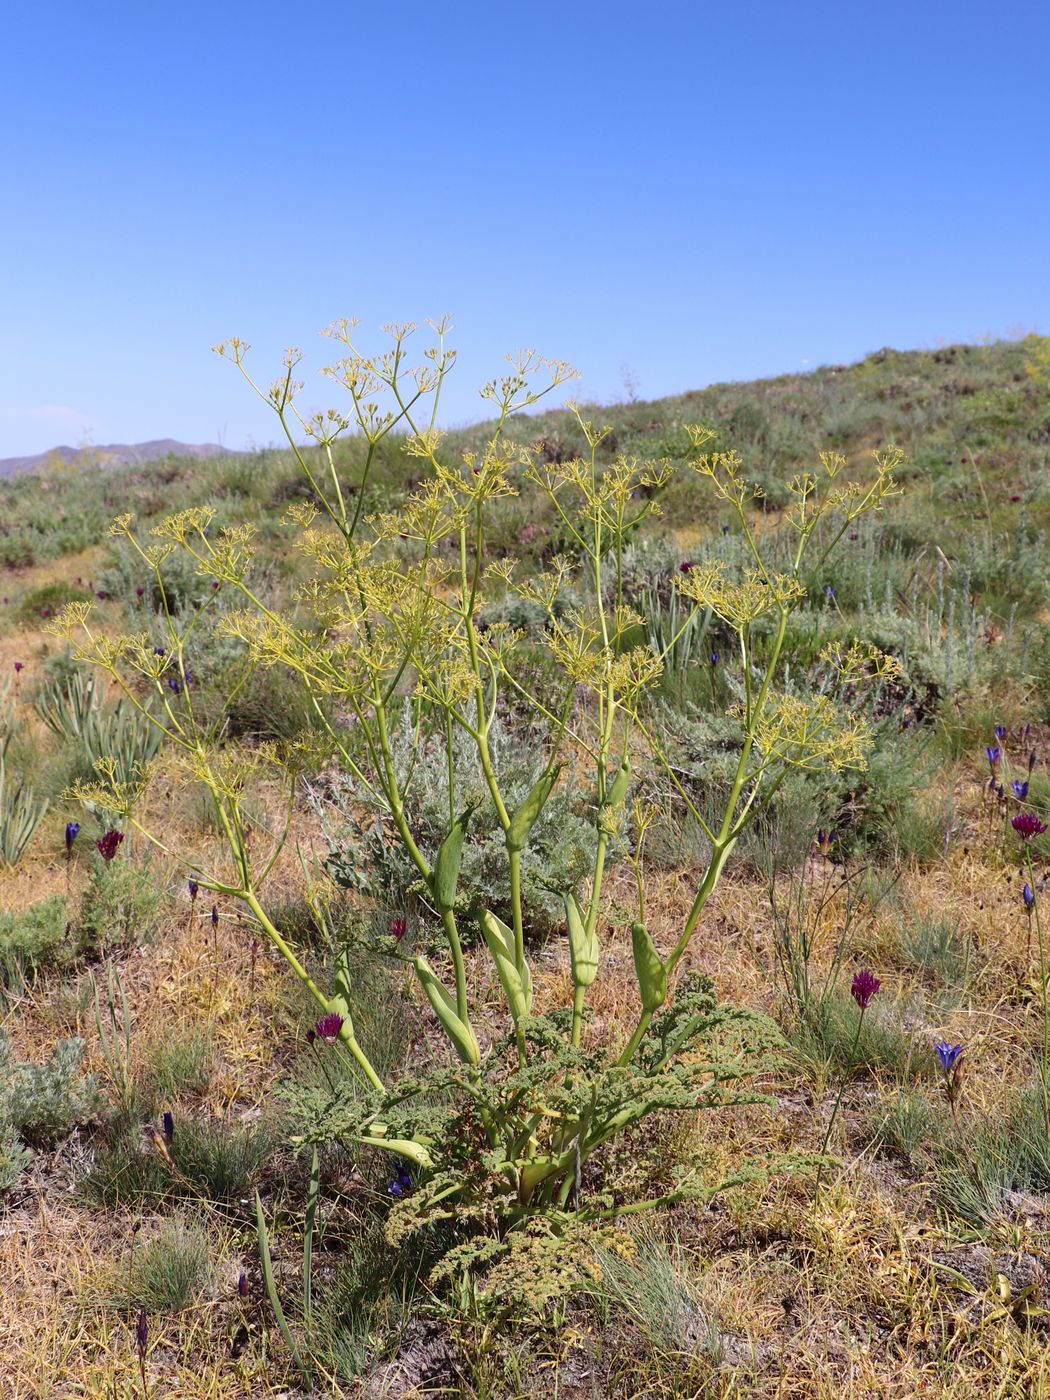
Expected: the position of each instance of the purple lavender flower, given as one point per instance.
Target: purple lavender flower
(864, 987)
(949, 1055)
(1027, 825)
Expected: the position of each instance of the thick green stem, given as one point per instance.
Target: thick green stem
(346, 1035)
(1044, 1067)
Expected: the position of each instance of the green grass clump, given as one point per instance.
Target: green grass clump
(169, 1271)
(211, 1160)
(178, 1062)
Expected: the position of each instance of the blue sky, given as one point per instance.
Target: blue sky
(698, 192)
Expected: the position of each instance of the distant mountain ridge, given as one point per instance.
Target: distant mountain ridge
(115, 455)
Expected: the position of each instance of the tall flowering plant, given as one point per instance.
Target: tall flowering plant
(396, 637)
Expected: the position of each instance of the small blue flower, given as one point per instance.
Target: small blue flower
(1000, 732)
(830, 591)
(72, 832)
(193, 888)
(1020, 789)
(993, 754)
(716, 657)
(1028, 895)
(949, 1055)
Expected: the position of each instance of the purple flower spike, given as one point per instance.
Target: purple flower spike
(1027, 825)
(328, 1027)
(1020, 789)
(864, 987)
(215, 916)
(949, 1055)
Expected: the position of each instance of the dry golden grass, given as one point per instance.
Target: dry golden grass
(839, 1299)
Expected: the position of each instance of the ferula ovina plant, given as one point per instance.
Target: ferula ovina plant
(388, 631)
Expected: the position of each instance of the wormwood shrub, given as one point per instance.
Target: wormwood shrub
(31, 940)
(506, 1141)
(44, 1103)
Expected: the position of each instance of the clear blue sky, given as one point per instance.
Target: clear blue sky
(697, 191)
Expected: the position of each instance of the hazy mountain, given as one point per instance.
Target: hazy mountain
(115, 455)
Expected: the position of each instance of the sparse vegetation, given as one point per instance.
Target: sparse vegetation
(163, 1061)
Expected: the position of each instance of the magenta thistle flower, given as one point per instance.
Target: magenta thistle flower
(19, 666)
(107, 846)
(1027, 825)
(328, 1027)
(949, 1055)
(864, 987)
(398, 927)
(686, 566)
(140, 593)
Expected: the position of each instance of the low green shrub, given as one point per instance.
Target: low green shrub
(32, 940)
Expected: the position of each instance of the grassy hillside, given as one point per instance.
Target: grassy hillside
(911, 1260)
